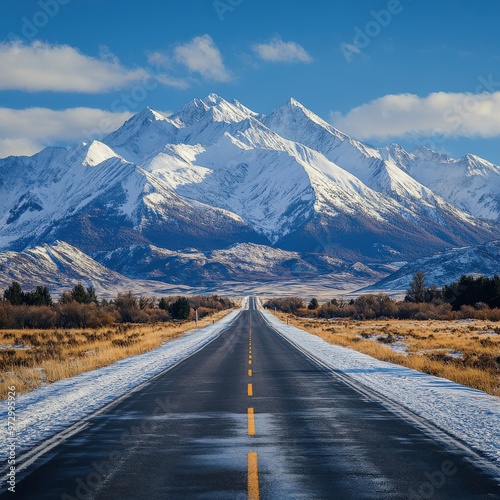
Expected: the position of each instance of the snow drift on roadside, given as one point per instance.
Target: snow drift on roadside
(470, 415)
(50, 409)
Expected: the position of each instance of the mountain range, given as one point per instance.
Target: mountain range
(188, 198)
(446, 267)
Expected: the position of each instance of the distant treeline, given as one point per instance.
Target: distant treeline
(80, 307)
(469, 297)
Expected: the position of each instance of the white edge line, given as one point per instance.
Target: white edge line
(29, 457)
(477, 457)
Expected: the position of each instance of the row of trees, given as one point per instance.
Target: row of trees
(80, 307)
(469, 297)
(470, 291)
(479, 291)
(40, 296)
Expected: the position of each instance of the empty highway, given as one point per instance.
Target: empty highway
(250, 416)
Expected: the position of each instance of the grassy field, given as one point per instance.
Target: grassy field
(32, 358)
(465, 351)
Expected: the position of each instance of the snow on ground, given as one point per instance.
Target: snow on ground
(45, 411)
(470, 415)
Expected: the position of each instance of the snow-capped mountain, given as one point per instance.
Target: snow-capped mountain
(59, 267)
(446, 267)
(217, 174)
(378, 169)
(148, 269)
(221, 154)
(237, 263)
(469, 183)
(94, 199)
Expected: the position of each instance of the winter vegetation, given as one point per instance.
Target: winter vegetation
(42, 341)
(465, 351)
(81, 308)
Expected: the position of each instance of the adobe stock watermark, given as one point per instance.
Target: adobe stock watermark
(223, 6)
(372, 29)
(32, 25)
(434, 481)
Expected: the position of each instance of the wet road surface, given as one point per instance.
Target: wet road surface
(250, 416)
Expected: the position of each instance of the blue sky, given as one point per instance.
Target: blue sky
(385, 71)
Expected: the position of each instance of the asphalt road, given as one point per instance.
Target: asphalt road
(250, 416)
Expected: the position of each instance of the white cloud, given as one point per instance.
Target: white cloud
(18, 147)
(276, 50)
(61, 68)
(202, 56)
(160, 59)
(161, 62)
(439, 113)
(26, 131)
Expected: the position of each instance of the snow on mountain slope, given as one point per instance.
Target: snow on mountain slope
(199, 121)
(295, 122)
(93, 198)
(212, 108)
(446, 267)
(59, 266)
(57, 189)
(274, 184)
(217, 173)
(240, 263)
(374, 168)
(141, 135)
(469, 183)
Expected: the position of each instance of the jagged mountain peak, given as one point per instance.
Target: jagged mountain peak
(92, 154)
(294, 121)
(151, 114)
(244, 109)
(293, 103)
(143, 118)
(214, 99)
(142, 134)
(191, 112)
(211, 108)
(479, 166)
(424, 153)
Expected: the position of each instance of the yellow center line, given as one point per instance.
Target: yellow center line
(250, 389)
(253, 476)
(249, 361)
(250, 373)
(251, 422)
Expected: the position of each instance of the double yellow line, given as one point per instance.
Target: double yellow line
(252, 459)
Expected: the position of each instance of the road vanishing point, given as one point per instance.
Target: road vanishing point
(250, 416)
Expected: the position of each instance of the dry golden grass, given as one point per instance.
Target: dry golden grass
(467, 352)
(45, 356)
